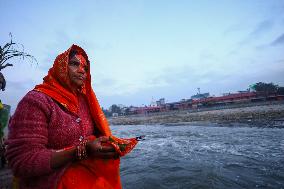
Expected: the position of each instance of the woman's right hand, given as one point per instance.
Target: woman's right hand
(101, 148)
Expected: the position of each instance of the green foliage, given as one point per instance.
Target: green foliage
(106, 112)
(127, 111)
(280, 90)
(11, 50)
(266, 88)
(115, 109)
(4, 117)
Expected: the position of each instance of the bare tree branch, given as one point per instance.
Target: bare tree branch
(6, 65)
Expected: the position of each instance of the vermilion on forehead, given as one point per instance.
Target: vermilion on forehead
(81, 59)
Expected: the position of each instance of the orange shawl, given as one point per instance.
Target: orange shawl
(90, 173)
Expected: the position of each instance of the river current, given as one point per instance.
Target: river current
(203, 157)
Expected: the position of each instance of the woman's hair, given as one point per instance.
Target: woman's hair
(72, 54)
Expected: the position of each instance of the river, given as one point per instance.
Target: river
(203, 157)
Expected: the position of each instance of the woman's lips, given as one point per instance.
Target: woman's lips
(81, 77)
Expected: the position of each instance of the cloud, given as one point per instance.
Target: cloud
(258, 31)
(262, 28)
(244, 38)
(208, 69)
(280, 61)
(126, 87)
(233, 28)
(278, 41)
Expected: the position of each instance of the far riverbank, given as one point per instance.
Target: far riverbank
(267, 115)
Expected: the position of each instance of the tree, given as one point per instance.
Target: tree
(265, 88)
(280, 90)
(8, 51)
(127, 111)
(106, 112)
(115, 109)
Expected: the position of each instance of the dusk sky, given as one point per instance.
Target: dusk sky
(144, 49)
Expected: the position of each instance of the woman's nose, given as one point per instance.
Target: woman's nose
(81, 69)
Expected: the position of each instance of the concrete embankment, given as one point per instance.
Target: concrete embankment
(268, 115)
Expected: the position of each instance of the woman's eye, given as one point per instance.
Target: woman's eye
(74, 63)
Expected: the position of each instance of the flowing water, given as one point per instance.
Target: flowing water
(203, 157)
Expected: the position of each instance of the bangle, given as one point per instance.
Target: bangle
(81, 152)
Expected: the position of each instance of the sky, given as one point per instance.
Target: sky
(144, 50)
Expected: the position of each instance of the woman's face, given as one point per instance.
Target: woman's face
(77, 71)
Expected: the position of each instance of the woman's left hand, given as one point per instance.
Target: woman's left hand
(101, 148)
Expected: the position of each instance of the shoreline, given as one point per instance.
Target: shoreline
(267, 115)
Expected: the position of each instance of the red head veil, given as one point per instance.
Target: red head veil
(57, 85)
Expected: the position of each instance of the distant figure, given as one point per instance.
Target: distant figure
(2, 82)
(59, 136)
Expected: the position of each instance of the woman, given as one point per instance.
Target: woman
(59, 136)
